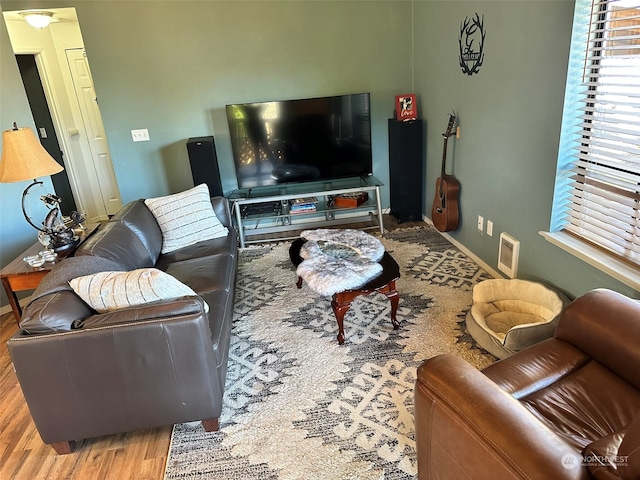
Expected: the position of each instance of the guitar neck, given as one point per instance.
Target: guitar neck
(444, 157)
(446, 135)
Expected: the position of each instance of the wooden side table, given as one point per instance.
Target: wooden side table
(17, 276)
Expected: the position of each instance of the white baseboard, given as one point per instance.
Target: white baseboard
(7, 308)
(485, 266)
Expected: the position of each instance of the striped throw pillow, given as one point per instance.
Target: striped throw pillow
(110, 291)
(186, 218)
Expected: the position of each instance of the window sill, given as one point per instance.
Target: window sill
(619, 270)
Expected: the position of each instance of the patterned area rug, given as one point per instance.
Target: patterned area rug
(298, 405)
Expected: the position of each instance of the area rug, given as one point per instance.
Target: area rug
(298, 405)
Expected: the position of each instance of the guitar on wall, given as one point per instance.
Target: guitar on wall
(445, 212)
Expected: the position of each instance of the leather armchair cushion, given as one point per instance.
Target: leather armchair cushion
(588, 325)
(630, 450)
(601, 456)
(580, 413)
(534, 368)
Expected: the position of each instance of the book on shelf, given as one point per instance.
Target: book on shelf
(303, 201)
(302, 210)
(303, 205)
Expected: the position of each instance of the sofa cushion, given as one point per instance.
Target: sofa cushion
(137, 216)
(215, 246)
(216, 272)
(186, 218)
(117, 242)
(110, 291)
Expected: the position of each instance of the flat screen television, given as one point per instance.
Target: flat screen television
(301, 140)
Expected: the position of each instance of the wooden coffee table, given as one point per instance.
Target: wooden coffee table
(17, 276)
(384, 283)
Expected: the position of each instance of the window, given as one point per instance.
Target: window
(597, 194)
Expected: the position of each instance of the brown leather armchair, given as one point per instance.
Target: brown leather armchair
(565, 408)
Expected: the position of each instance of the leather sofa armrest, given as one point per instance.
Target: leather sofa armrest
(222, 210)
(150, 311)
(469, 428)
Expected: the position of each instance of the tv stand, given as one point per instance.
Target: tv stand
(282, 224)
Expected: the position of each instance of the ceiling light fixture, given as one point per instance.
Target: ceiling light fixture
(38, 19)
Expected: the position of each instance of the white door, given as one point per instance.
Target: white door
(85, 93)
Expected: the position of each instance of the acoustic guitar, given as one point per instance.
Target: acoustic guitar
(445, 212)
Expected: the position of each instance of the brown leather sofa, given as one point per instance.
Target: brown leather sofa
(85, 374)
(565, 408)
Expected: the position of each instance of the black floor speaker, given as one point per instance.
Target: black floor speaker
(406, 169)
(204, 164)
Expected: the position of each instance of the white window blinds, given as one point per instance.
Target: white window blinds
(597, 195)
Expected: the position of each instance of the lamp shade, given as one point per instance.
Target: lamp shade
(24, 158)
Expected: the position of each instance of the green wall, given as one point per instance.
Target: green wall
(509, 116)
(171, 67)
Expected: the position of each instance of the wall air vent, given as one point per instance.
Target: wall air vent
(508, 255)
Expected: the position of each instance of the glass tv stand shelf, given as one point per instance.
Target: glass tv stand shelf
(267, 210)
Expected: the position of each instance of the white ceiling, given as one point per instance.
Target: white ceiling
(59, 15)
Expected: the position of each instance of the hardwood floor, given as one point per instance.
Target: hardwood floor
(139, 455)
(23, 455)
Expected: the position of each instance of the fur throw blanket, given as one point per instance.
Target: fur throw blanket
(339, 260)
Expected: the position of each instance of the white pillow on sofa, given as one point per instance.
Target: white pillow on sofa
(186, 218)
(110, 291)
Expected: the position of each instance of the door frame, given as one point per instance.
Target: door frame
(75, 180)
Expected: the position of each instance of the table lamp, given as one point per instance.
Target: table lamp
(24, 158)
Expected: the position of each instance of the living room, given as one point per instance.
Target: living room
(171, 67)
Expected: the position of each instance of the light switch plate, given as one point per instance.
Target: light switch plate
(140, 135)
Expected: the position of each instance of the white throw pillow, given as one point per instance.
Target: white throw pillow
(109, 291)
(186, 218)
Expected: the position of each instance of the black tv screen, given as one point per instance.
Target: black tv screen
(301, 140)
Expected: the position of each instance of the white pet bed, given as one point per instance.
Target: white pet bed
(510, 315)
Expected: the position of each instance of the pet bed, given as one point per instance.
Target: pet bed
(510, 315)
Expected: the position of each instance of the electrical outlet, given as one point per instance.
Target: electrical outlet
(480, 222)
(489, 228)
(140, 135)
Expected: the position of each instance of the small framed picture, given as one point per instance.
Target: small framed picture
(406, 107)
